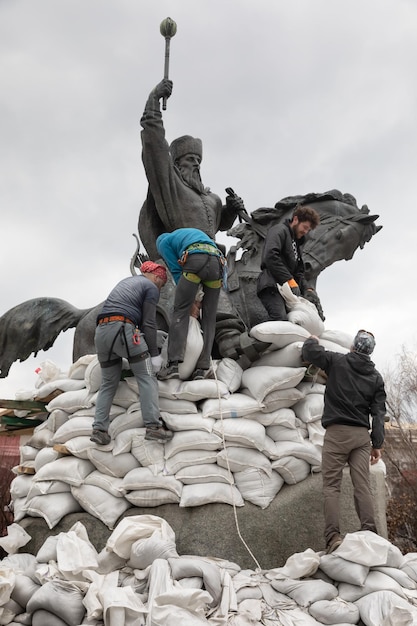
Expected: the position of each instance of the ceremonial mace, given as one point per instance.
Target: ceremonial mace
(168, 29)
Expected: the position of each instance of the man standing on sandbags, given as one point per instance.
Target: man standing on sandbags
(193, 260)
(282, 261)
(126, 328)
(354, 391)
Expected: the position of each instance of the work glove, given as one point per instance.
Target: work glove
(294, 287)
(156, 363)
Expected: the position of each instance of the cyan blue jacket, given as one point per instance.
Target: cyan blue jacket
(172, 245)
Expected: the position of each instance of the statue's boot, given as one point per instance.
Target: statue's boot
(242, 347)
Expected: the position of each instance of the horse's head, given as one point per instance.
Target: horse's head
(336, 238)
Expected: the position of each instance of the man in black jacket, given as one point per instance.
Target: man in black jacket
(354, 391)
(282, 260)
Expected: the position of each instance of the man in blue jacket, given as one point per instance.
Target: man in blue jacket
(192, 258)
(354, 391)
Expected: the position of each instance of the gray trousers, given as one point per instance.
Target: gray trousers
(113, 342)
(346, 444)
(207, 268)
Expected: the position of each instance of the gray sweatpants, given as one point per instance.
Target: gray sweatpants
(113, 342)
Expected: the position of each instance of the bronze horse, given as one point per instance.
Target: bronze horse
(35, 324)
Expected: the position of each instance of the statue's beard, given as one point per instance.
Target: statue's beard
(193, 179)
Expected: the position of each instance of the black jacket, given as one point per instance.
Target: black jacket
(354, 389)
(279, 262)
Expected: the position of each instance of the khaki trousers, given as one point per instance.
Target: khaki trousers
(351, 445)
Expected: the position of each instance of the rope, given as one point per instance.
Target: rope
(230, 472)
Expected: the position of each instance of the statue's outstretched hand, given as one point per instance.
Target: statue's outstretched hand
(164, 88)
(235, 204)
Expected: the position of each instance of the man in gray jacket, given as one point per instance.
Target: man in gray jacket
(354, 391)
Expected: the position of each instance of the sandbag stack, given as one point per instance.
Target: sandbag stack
(237, 437)
(140, 579)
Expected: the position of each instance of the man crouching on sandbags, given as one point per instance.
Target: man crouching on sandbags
(354, 391)
(193, 258)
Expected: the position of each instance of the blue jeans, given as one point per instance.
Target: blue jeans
(113, 342)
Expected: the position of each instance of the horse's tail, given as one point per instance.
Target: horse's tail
(32, 326)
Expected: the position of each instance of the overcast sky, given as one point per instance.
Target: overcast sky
(288, 98)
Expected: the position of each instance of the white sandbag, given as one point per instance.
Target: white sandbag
(306, 451)
(23, 590)
(398, 575)
(144, 478)
(69, 469)
(71, 401)
(190, 421)
(100, 503)
(151, 497)
(310, 408)
(77, 369)
(291, 469)
(74, 427)
(305, 592)
(47, 551)
(191, 440)
(75, 552)
(20, 485)
(41, 437)
(16, 538)
(261, 381)
(60, 385)
(27, 453)
(199, 494)
(316, 433)
(204, 473)
(135, 527)
(187, 458)
(280, 399)
(341, 570)
(44, 456)
(339, 337)
(306, 315)
(90, 411)
(92, 376)
(193, 348)
(333, 347)
(10, 610)
(123, 441)
(195, 390)
(375, 581)
(229, 372)
(279, 333)
(310, 387)
(236, 405)
(370, 549)
(111, 484)
(241, 431)
(57, 418)
(239, 459)
(386, 608)
(190, 566)
(282, 433)
(177, 406)
(147, 452)
(43, 487)
(281, 417)
(168, 388)
(257, 487)
(52, 507)
(145, 550)
(334, 612)
(117, 466)
(61, 598)
(46, 618)
(80, 446)
(289, 356)
(126, 421)
(409, 565)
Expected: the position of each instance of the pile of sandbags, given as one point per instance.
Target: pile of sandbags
(237, 437)
(140, 579)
